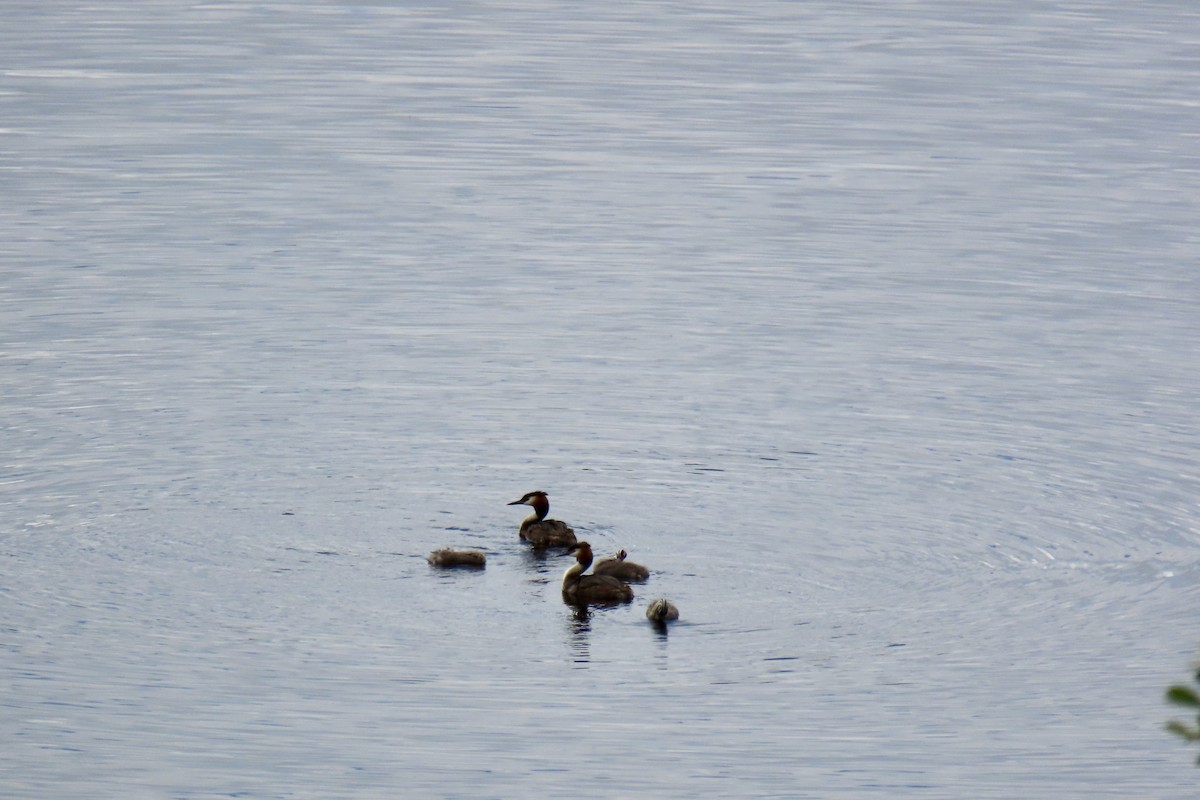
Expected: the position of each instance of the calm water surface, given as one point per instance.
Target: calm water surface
(871, 328)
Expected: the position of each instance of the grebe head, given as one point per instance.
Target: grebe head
(583, 553)
(539, 501)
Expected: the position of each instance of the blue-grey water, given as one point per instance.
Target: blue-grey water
(870, 327)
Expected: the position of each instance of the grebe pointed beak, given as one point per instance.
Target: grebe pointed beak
(516, 503)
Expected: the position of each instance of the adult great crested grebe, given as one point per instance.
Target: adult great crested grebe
(539, 531)
(580, 589)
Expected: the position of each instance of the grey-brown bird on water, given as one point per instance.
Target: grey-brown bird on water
(619, 568)
(581, 589)
(539, 531)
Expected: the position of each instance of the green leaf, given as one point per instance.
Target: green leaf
(1183, 696)
(1181, 730)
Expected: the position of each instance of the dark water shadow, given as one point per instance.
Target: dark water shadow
(545, 562)
(579, 629)
(661, 629)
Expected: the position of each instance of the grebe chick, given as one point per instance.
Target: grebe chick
(619, 568)
(539, 531)
(580, 589)
(661, 611)
(447, 557)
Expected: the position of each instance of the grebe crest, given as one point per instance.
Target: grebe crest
(448, 557)
(580, 589)
(662, 611)
(619, 568)
(539, 531)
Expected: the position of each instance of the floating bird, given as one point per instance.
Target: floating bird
(539, 531)
(580, 589)
(447, 557)
(661, 611)
(618, 567)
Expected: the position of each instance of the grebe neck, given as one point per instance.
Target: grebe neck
(572, 574)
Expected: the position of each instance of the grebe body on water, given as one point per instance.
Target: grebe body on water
(580, 589)
(619, 568)
(448, 557)
(539, 531)
(661, 611)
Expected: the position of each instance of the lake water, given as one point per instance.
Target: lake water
(871, 328)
